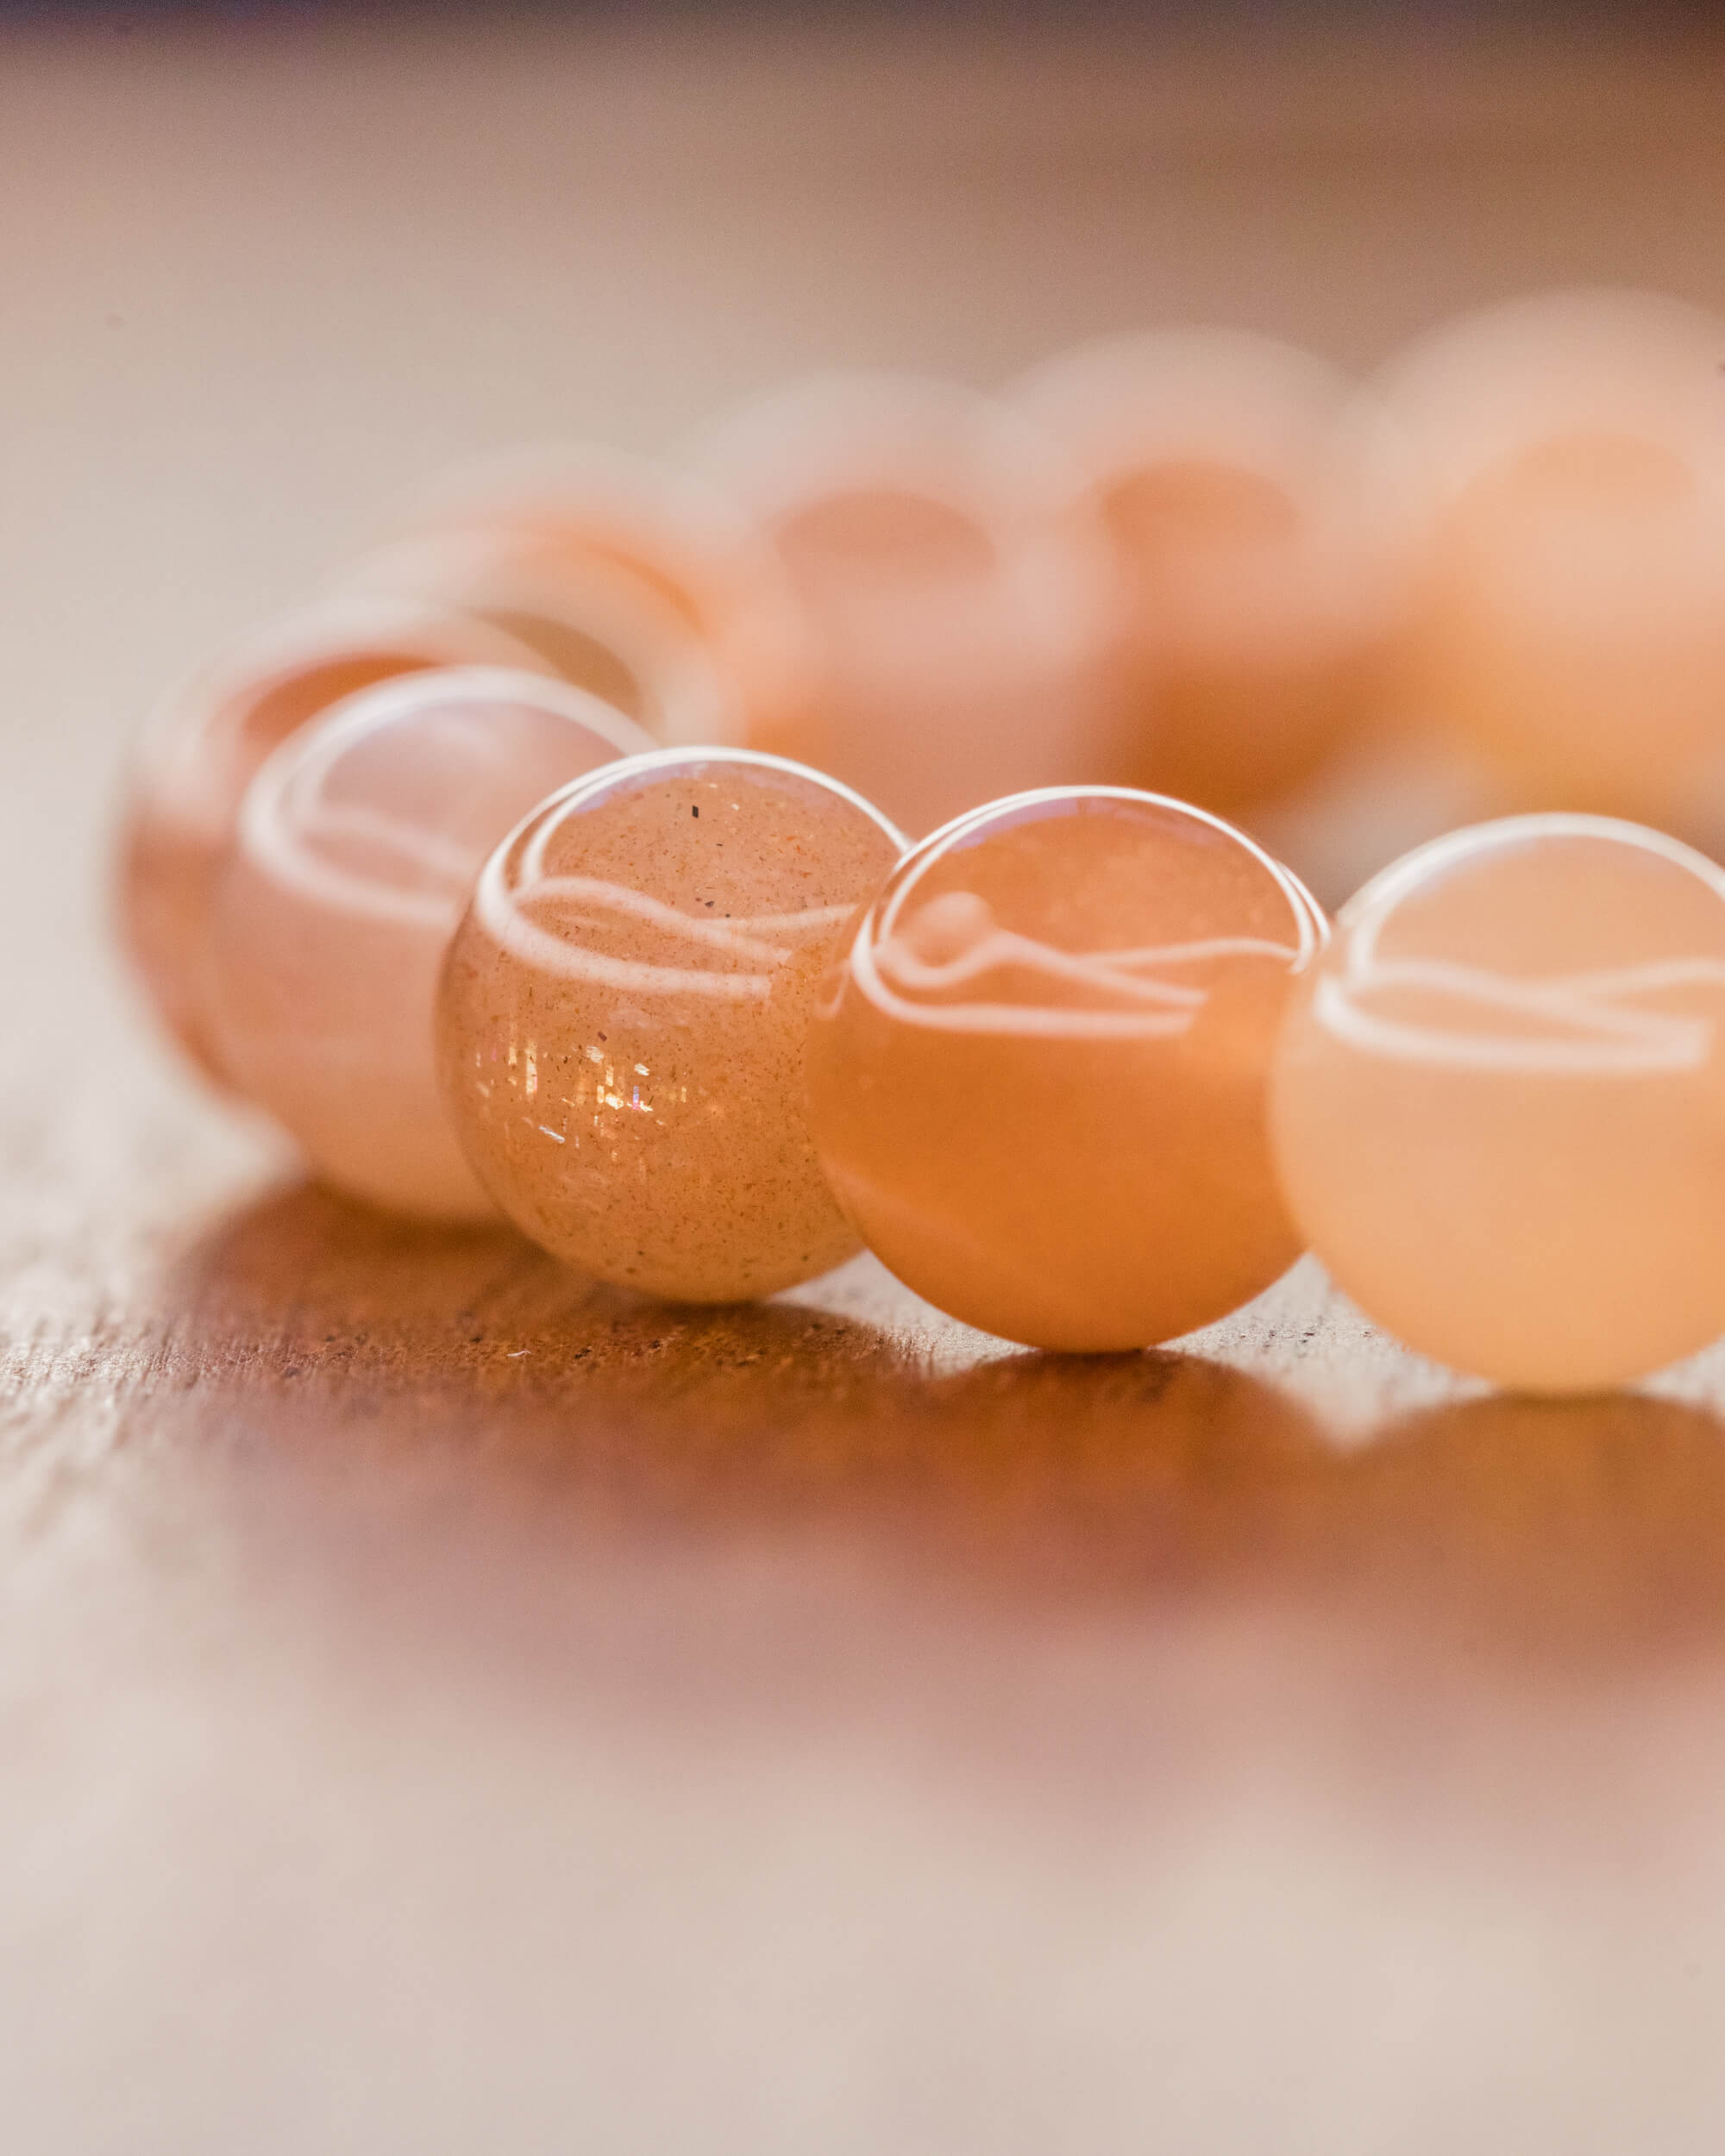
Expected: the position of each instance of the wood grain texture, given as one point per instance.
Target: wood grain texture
(446, 1705)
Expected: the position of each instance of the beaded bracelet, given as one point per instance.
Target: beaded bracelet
(1083, 1069)
(483, 876)
(1086, 1070)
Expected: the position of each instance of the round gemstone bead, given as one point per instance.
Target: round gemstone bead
(357, 846)
(1497, 1105)
(1232, 474)
(957, 584)
(624, 1011)
(1037, 1083)
(208, 740)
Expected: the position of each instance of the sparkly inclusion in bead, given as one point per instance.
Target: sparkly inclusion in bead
(358, 844)
(623, 1014)
(1038, 1086)
(1498, 1106)
(204, 744)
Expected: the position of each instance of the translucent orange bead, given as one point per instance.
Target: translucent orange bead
(1230, 473)
(357, 846)
(958, 586)
(1498, 1104)
(207, 740)
(623, 1015)
(1038, 1084)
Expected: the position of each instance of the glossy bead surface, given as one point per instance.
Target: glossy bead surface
(957, 584)
(357, 847)
(1038, 1086)
(623, 1015)
(207, 741)
(1228, 470)
(1498, 1106)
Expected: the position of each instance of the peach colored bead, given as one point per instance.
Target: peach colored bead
(557, 516)
(1563, 477)
(1038, 1087)
(1230, 470)
(622, 1018)
(601, 627)
(357, 847)
(1497, 1105)
(206, 741)
(958, 584)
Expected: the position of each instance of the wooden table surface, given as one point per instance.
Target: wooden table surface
(445, 1707)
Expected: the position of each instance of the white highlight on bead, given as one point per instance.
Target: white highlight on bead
(1603, 1031)
(766, 942)
(288, 818)
(890, 973)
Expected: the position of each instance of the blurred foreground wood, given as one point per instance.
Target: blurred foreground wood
(446, 1705)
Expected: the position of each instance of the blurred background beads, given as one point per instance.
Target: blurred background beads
(598, 625)
(1499, 1102)
(210, 737)
(1560, 469)
(1036, 1085)
(567, 516)
(623, 1018)
(1231, 474)
(958, 589)
(358, 843)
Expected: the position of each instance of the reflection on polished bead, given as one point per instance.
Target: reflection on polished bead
(357, 847)
(205, 742)
(1230, 473)
(624, 1011)
(1037, 1084)
(1498, 1106)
